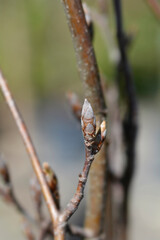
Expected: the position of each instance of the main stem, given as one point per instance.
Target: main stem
(89, 73)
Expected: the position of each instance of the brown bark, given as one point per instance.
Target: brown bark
(89, 74)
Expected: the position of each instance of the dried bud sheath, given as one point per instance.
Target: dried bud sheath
(100, 137)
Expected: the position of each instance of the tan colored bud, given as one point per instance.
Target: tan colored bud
(88, 122)
(52, 182)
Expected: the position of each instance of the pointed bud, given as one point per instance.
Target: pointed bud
(52, 182)
(88, 122)
(4, 172)
(76, 106)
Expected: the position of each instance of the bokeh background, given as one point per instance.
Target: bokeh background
(37, 58)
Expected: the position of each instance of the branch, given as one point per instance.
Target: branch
(36, 195)
(155, 7)
(103, 6)
(87, 64)
(130, 119)
(75, 105)
(93, 143)
(102, 21)
(30, 149)
(46, 229)
(8, 193)
(89, 74)
(27, 230)
(81, 232)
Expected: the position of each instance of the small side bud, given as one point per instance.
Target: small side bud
(88, 122)
(88, 20)
(52, 182)
(75, 104)
(4, 172)
(100, 137)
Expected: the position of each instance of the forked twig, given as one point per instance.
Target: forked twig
(8, 193)
(93, 143)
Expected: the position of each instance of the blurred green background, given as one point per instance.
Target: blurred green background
(36, 52)
(37, 58)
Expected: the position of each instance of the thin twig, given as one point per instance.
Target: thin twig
(30, 148)
(46, 229)
(75, 105)
(75, 201)
(27, 230)
(155, 7)
(79, 231)
(103, 6)
(93, 143)
(102, 21)
(89, 73)
(8, 193)
(36, 194)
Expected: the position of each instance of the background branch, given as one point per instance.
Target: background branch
(155, 7)
(130, 119)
